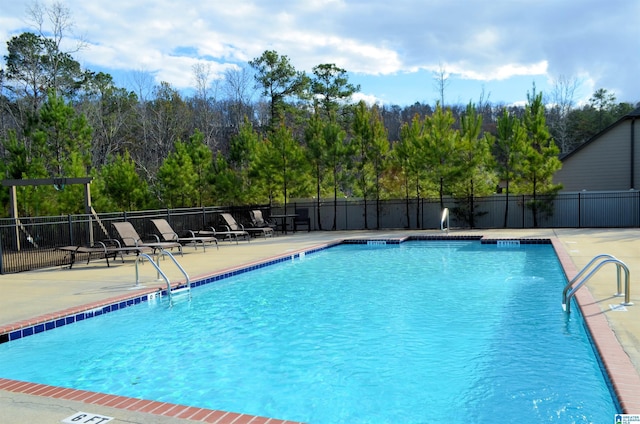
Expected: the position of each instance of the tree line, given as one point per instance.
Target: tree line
(266, 133)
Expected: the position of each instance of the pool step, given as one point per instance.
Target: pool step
(180, 293)
(186, 289)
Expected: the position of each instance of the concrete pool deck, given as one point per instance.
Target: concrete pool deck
(41, 295)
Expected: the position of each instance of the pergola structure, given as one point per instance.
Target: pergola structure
(58, 183)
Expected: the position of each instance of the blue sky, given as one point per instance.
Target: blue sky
(394, 50)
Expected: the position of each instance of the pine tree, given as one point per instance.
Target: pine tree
(474, 174)
(316, 152)
(509, 150)
(361, 142)
(279, 163)
(378, 156)
(439, 144)
(408, 157)
(540, 158)
(338, 153)
(119, 186)
(201, 158)
(177, 178)
(242, 152)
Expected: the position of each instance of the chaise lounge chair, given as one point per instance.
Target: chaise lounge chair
(168, 235)
(225, 235)
(258, 220)
(130, 238)
(232, 225)
(101, 250)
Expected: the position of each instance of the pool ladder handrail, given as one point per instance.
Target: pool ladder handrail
(602, 259)
(443, 219)
(161, 273)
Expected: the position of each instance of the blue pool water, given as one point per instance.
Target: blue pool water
(419, 332)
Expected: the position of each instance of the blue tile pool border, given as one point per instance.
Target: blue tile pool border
(94, 311)
(620, 370)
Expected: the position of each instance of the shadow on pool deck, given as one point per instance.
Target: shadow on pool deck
(29, 295)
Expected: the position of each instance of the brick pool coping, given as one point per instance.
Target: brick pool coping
(191, 413)
(623, 376)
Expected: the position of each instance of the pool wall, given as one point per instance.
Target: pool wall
(48, 322)
(623, 376)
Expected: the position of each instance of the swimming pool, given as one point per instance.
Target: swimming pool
(438, 331)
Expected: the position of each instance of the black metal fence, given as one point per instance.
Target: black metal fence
(31, 243)
(620, 209)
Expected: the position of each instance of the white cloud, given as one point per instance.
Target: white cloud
(354, 55)
(502, 72)
(369, 99)
(599, 40)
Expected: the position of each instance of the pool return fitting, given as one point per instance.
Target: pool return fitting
(597, 263)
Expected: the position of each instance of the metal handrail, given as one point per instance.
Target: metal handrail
(582, 271)
(163, 275)
(570, 290)
(445, 217)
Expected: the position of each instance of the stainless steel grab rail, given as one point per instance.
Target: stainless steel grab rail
(603, 259)
(170, 292)
(443, 219)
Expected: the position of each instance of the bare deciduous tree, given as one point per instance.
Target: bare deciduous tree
(441, 81)
(238, 85)
(561, 103)
(59, 18)
(54, 22)
(142, 82)
(205, 117)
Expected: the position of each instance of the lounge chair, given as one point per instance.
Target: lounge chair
(168, 235)
(232, 225)
(258, 220)
(302, 218)
(101, 250)
(130, 238)
(225, 235)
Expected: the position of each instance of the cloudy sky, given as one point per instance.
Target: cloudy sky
(394, 49)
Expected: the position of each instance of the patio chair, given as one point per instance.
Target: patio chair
(302, 218)
(232, 225)
(167, 234)
(130, 238)
(225, 235)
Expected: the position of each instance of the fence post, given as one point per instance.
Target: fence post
(70, 224)
(346, 215)
(1, 262)
(579, 210)
(524, 208)
(635, 220)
